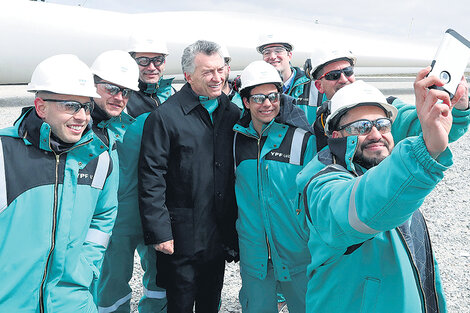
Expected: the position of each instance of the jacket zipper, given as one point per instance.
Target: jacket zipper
(54, 225)
(258, 170)
(417, 272)
(261, 192)
(156, 102)
(261, 184)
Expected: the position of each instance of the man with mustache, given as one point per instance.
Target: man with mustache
(369, 244)
(116, 78)
(149, 52)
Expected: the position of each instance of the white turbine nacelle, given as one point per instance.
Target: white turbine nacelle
(33, 31)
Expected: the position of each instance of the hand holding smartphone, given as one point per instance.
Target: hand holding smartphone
(450, 61)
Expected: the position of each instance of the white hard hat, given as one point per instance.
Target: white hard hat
(117, 67)
(63, 74)
(258, 73)
(225, 54)
(353, 95)
(269, 39)
(321, 57)
(150, 43)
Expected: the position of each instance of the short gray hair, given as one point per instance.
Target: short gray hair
(200, 46)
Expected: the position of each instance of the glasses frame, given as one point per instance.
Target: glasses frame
(126, 92)
(157, 61)
(381, 128)
(87, 106)
(336, 74)
(277, 51)
(276, 96)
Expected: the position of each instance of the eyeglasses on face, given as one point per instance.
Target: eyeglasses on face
(364, 127)
(272, 97)
(336, 74)
(71, 106)
(114, 90)
(276, 50)
(145, 61)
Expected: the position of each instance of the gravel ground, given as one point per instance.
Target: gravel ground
(445, 209)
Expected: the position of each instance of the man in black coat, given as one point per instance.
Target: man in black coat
(186, 192)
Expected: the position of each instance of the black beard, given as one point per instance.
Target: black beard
(369, 162)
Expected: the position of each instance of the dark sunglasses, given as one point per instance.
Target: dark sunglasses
(114, 90)
(272, 97)
(336, 74)
(364, 127)
(71, 106)
(145, 61)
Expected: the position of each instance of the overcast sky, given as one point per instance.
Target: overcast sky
(416, 19)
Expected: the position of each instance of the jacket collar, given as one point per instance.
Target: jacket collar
(342, 152)
(191, 100)
(152, 88)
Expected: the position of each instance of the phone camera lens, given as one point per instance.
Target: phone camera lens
(444, 77)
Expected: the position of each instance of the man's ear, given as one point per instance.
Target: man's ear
(187, 76)
(246, 103)
(336, 134)
(319, 86)
(41, 107)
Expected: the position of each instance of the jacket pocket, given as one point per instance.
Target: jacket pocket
(369, 296)
(182, 226)
(79, 273)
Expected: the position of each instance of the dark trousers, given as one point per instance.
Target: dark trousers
(190, 281)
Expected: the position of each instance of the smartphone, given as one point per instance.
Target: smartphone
(450, 61)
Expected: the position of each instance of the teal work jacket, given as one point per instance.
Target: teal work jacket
(57, 211)
(300, 90)
(140, 105)
(358, 217)
(269, 224)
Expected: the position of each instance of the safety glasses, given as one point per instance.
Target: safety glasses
(276, 50)
(272, 97)
(114, 90)
(145, 61)
(364, 127)
(336, 74)
(71, 107)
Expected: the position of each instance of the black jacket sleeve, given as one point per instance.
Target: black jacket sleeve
(153, 166)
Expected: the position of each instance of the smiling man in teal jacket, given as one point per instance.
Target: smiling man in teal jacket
(369, 245)
(58, 195)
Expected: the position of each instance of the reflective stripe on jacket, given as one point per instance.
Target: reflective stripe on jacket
(348, 208)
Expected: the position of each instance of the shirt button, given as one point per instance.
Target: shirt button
(219, 194)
